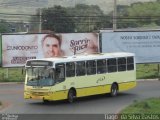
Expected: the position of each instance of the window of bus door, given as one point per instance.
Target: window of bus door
(60, 72)
(40, 76)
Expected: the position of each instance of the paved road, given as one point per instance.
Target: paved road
(12, 96)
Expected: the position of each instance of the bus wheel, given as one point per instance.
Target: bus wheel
(71, 96)
(45, 101)
(114, 90)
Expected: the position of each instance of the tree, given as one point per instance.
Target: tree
(88, 17)
(81, 18)
(4, 26)
(140, 15)
(57, 19)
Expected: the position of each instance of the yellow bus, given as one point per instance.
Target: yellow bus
(60, 78)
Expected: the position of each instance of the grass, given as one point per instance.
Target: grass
(147, 71)
(11, 75)
(143, 71)
(149, 106)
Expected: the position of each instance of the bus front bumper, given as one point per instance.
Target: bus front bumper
(52, 96)
(38, 95)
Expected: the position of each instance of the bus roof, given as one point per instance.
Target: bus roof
(86, 57)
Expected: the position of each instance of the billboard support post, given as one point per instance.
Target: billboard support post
(7, 73)
(158, 72)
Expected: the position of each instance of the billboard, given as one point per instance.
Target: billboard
(17, 48)
(145, 45)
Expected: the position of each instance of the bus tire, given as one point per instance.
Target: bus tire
(45, 101)
(114, 90)
(71, 95)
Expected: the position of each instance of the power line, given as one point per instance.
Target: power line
(15, 2)
(18, 14)
(91, 16)
(18, 3)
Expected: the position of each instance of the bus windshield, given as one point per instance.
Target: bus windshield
(40, 76)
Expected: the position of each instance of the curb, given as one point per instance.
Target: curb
(148, 80)
(10, 83)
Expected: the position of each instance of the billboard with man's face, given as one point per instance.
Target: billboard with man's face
(17, 48)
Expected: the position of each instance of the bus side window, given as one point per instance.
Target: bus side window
(60, 72)
(101, 66)
(91, 67)
(122, 64)
(130, 63)
(70, 69)
(80, 68)
(112, 65)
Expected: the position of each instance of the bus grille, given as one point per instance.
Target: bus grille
(39, 93)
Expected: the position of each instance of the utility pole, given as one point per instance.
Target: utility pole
(40, 20)
(89, 24)
(27, 27)
(115, 16)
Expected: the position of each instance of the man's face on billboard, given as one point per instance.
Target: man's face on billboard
(51, 47)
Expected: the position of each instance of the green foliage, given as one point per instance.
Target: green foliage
(140, 15)
(56, 19)
(81, 18)
(148, 106)
(6, 27)
(88, 17)
(3, 26)
(11, 75)
(147, 71)
(144, 105)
